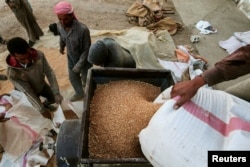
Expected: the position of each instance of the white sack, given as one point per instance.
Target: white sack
(21, 135)
(212, 120)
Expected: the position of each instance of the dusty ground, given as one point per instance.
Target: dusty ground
(96, 14)
(102, 14)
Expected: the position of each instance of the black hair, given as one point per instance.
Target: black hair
(17, 45)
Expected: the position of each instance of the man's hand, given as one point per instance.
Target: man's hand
(186, 90)
(2, 118)
(76, 69)
(62, 51)
(58, 98)
(47, 114)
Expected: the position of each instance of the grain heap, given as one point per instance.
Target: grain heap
(119, 110)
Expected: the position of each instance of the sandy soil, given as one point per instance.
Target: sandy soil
(96, 14)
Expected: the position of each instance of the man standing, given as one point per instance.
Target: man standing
(27, 69)
(75, 36)
(24, 14)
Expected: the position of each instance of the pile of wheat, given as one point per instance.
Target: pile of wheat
(119, 110)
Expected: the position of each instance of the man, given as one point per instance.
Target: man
(233, 66)
(27, 69)
(24, 14)
(108, 53)
(76, 37)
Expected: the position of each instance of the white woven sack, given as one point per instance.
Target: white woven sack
(212, 120)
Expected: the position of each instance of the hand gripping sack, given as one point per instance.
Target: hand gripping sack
(212, 120)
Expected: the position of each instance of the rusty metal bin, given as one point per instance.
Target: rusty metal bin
(72, 142)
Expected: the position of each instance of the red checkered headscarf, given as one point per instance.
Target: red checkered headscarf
(64, 7)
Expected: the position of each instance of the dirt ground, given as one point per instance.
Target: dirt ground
(96, 14)
(100, 15)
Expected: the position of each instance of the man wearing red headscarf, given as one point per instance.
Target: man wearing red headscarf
(75, 36)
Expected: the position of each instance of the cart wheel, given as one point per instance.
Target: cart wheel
(67, 145)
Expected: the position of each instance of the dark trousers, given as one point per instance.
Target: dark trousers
(78, 80)
(48, 94)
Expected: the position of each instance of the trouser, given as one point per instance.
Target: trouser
(1, 148)
(240, 90)
(78, 80)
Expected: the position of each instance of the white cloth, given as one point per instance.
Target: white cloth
(176, 67)
(205, 27)
(236, 41)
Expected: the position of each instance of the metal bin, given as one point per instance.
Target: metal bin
(72, 140)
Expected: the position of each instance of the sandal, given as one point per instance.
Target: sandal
(2, 41)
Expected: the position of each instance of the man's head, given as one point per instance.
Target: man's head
(19, 48)
(65, 13)
(97, 53)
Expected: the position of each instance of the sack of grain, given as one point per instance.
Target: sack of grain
(212, 120)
